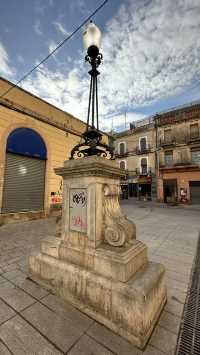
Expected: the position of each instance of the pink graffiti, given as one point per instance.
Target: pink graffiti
(79, 222)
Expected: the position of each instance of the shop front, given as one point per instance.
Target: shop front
(133, 186)
(179, 185)
(144, 188)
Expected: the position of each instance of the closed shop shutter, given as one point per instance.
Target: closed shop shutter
(195, 192)
(24, 184)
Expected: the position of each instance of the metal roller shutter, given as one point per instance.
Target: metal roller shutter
(195, 192)
(24, 184)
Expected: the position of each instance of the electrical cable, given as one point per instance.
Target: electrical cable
(55, 49)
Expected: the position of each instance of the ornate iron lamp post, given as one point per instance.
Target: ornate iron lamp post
(92, 137)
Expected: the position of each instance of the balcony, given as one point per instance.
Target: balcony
(178, 164)
(121, 155)
(143, 150)
(143, 171)
(167, 142)
(193, 138)
(182, 139)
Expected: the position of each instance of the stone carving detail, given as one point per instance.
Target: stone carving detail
(118, 229)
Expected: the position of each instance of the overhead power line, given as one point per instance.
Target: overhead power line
(58, 46)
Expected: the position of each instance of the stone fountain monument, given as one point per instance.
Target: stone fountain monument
(98, 264)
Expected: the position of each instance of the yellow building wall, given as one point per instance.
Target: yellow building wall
(58, 143)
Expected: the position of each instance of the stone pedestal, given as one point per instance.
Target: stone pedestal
(97, 264)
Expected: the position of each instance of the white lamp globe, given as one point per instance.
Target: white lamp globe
(92, 40)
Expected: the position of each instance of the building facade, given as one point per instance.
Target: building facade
(35, 138)
(135, 152)
(162, 156)
(178, 137)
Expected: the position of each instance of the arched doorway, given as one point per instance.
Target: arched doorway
(24, 180)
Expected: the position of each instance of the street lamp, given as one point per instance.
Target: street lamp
(92, 137)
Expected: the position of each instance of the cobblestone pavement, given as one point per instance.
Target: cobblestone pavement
(34, 321)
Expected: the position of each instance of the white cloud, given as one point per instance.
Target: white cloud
(59, 26)
(37, 27)
(151, 51)
(5, 68)
(52, 45)
(119, 122)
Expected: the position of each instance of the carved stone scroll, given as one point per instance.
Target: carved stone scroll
(118, 229)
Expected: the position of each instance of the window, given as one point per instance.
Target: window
(122, 165)
(121, 148)
(194, 130)
(167, 135)
(144, 165)
(169, 158)
(143, 143)
(196, 157)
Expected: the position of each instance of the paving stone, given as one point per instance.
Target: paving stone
(176, 295)
(3, 349)
(14, 274)
(169, 322)
(163, 340)
(33, 289)
(2, 280)
(150, 350)
(87, 346)
(5, 312)
(19, 281)
(22, 339)
(59, 330)
(174, 307)
(111, 340)
(175, 284)
(10, 267)
(24, 269)
(174, 275)
(170, 235)
(15, 297)
(67, 311)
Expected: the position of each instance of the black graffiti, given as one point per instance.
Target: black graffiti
(79, 198)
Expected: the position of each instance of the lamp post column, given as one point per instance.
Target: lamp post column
(92, 137)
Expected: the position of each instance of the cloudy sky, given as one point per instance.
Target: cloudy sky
(151, 52)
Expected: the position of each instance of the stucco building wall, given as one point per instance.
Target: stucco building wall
(132, 142)
(181, 143)
(59, 130)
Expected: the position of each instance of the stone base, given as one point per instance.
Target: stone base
(116, 263)
(130, 308)
(21, 216)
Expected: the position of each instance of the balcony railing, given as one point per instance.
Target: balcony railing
(121, 155)
(168, 141)
(193, 138)
(181, 139)
(178, 163)
(143, 150)
(143, 171)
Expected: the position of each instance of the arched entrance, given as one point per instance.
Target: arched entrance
(24, 180)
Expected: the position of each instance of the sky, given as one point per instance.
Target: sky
(151, 55)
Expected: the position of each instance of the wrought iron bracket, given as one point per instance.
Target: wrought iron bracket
(92, 145)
